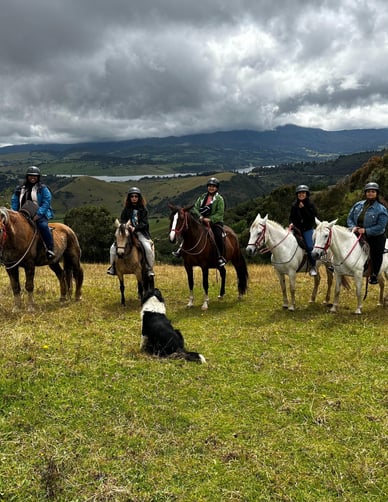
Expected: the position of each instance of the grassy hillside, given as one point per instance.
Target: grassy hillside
(290, 406)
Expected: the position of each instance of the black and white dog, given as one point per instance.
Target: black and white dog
(158, 337)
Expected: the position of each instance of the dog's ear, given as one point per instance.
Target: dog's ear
(158, 294)
(146, 296)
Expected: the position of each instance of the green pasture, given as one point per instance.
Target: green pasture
(289, 407)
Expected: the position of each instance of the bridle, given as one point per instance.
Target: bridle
(123, 231)
(328, 244)
(260, 241)
(185, 226)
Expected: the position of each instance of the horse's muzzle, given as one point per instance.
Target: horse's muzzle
(251, 250)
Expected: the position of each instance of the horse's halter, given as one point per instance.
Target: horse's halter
(327, 243)
(260, 241)
(184, 225)
(120, 250)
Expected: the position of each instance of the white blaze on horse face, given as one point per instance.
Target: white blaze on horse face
(173, 227)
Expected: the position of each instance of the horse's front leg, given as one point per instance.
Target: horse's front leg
(329, 278)
(13, 275)
(358, 280)
(122, 291)
(205, 284)
(317, 280)
(337, 290)
(223, 281)
(292, 279)
(190, 279)
(29, 285)
(282, 282)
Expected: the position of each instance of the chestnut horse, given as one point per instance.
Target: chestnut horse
(130, 259)
(22, 246)
(199, 250)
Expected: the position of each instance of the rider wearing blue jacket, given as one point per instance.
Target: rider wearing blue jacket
(38, 193)
(369, 217)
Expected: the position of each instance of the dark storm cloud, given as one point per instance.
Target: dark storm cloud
(89, 70)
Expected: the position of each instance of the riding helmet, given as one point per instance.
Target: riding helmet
(33, 171)
(213, 181)
(302, 188)
(372, 186)
(134, 190)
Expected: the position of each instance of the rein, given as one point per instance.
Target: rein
(3, 239)
(328, 244)
(185, 226)
(260, 241)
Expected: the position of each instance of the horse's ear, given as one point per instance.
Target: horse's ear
(332, 223)
(128, 224)
(188, 208)
(171, 206)
(317, 222)
(265, 217)
(117, 223)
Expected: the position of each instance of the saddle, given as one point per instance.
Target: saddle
(29, 210)
(299, 237)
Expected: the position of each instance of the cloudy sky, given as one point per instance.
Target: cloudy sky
(91, 70)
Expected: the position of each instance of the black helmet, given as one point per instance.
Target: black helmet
(33, 171)
(134, 190)
(302, 188)
(372, 186)
(213, 181)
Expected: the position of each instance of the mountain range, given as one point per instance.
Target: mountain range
(223, 150)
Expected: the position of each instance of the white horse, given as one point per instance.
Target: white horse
(288, 258)
(349, 258)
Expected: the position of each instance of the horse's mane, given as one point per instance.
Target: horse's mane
(4, 214)
(339, 228)
(276, 224)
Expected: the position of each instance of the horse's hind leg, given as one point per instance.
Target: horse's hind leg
(61, 276)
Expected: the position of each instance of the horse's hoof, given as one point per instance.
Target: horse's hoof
(285, 307)
(291, 309)
(220, 297)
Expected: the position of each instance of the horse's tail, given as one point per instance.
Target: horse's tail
(238, 260)
(188, 356)
(242, 275)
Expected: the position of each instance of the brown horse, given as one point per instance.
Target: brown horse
(22, 246)
(199, 249)
(130, 259)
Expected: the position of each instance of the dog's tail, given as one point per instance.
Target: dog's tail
(188, 356)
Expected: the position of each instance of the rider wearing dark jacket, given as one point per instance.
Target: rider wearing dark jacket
(302, 216)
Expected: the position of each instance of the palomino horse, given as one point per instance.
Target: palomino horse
(349, 258)
(199, 250)
(21, 246)
(288, 257)
(130, 259)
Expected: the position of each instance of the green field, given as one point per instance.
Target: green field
(289, 407)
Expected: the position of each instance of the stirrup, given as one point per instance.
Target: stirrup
(50, 254)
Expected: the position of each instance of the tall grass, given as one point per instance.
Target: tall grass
(289, 407)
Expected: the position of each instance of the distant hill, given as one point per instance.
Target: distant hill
(197, 152)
